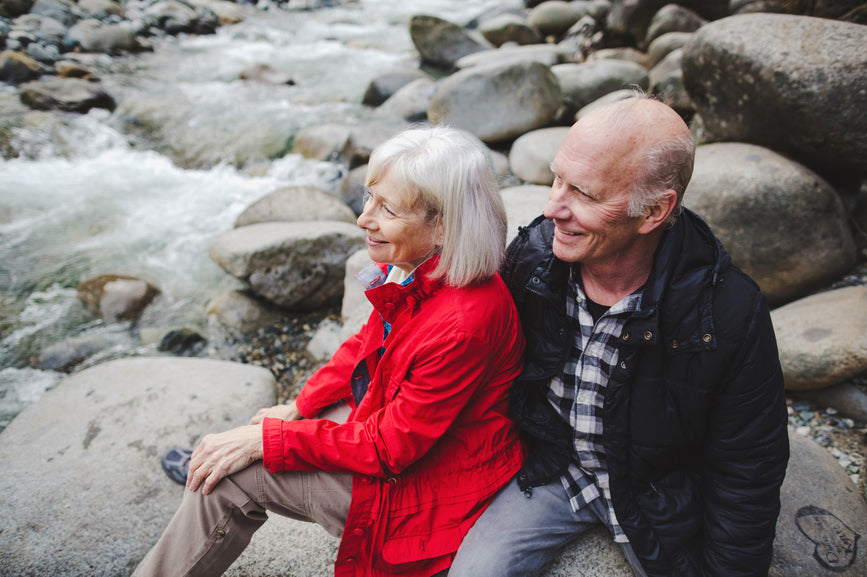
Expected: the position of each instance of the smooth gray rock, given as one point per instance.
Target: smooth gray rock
(822, 516)
(355, 307)
(554, 17)
(782, 223)
(547, 54)
(666, 82)
(385, 85)
(352, 188)
(441, 43)
(16, 67)
(664, 44)
(510, 28)
(823, 338)
(583, 83)
(296, 265)
(532, 153)
(81, 488)
(609, 98)
(64, 11)
(411, 101)
(794, 84)
(101, 8)
(243, 313)
(68, 353)
(626, 53)
(321, 141)
(363, 139)
(497, 102)
(115, 297)
(523, 204)
(631, 18)
(293, 204)
(848, 400)
(672, 18)
(65, 94)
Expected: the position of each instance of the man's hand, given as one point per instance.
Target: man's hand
(287, 412)
(220, 455)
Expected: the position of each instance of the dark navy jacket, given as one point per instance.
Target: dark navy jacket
(694, 417)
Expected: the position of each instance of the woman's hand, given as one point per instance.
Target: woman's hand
(287, 412)
(220, 455)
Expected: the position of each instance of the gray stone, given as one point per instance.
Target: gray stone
(363, 139)
(66, 354)
(352, 188)
(498, 102)
(509, 28)
(411, 101)
(547, 54)
(609, 98)
(321, 141)
(16, 67)
(672, 18)
(243, 313)
(583, 83)
(101, 8)
(823, 338)
(63, 11)
(385, 85)
(532, 153)
(441, 43)
(94, 36)
(172, 16)
(849, 401)
(523, 204)
(782, 223)
(355, 308)
(14, 8)
(326, 340)
(65, 94)
(296, 265)
(821, 517)
(666, 82)
(631, 18)
(100, 499)
(626, 53)
(554, 17)
(750, 76)
(293, 204)
(664, 44)
(116, 297)
(226, 12)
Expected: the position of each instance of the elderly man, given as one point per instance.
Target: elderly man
(652, 396)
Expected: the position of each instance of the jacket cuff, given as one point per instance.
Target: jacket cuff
(272, 445)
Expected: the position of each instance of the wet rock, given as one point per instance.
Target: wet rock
(523, 204)
(782, 223)
(243, 312)
(823, 338)
(384, 86)
(547, 54)
(583, 83)
(116, 297)
(666, 82)
(411, 101)
(94, 36)
(441, 43)
(498, 102)
(182, 342)
(821, 517)
(295, 265)
(17, 68)
(750, 75)
(265, 74)
(554, 17)
(672, 18)
(532, 153)
(101, 432)
(295, 203)
(665, 44)
(509, 28)
(65, 94)
(67, 354)
(177, 17)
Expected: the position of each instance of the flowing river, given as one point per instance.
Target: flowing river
(90, 195)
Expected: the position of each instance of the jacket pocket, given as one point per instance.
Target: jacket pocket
(411, 553)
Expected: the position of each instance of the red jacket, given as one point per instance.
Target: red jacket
(431, 441)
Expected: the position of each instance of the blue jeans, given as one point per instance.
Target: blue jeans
(517, 536)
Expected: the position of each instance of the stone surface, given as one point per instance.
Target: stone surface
(66, 94)
(782, 223)
(355, 307)
(94, 444)
(293, 204)
(16, 67)
(523, 204)
(243, 312)
(848, 400)
(750, 75)
(583, 83)
(441, 43)
(554, 17)
(823, 338)
(547, 54)
(532, 153)
(94, 36)
(411, 101)
(296, 265)
(116, 297)
(666, 83)
(497, 102)
(821, 518)
(321, 141)
(508, 28)
(672, 18)
(385, 85)
(631, 18)
(664, 44)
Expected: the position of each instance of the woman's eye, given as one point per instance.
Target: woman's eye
(388, 211)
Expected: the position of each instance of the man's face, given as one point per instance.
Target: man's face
(589, 198)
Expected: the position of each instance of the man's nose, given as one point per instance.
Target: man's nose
(556, 206)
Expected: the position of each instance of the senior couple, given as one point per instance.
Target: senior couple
(617, 370)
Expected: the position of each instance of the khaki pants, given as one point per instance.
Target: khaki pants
(208, 532)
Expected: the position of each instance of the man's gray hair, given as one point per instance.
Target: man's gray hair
(447, 172)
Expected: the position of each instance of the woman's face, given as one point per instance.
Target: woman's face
(396, 235)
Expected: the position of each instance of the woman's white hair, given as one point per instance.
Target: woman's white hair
(448, 174)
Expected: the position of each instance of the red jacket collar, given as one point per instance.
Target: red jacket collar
(393, 299)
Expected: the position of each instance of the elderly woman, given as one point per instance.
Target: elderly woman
(428, 440)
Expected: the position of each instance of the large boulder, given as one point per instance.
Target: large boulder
(497, 102)
(296, 265)
(794, 84)
(823, 338)
(293, 204)
(532, 153)
(441, 43)
(65, 94)
(583, 83)
(666, 83)
(821, 517)
(99, 435)
(782, 223)
(115, 297)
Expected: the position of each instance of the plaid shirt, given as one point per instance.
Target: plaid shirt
(578, 395)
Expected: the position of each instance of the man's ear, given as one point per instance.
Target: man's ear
(658, 213)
